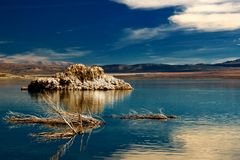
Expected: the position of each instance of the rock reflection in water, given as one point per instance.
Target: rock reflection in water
(84, 101)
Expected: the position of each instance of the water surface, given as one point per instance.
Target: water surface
(208, 127)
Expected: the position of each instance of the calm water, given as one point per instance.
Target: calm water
(208, 127)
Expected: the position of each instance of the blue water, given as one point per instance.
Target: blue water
(207, 127)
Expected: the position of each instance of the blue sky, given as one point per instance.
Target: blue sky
(119, 31)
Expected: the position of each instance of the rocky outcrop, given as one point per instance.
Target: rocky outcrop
(80, 77)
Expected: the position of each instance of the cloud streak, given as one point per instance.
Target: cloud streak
(148, 33)
(43, 55)
(135, 36)
(6, 42)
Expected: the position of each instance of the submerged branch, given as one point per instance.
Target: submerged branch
(54, 135)
(144, 116)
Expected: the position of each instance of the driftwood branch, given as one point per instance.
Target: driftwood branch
(56, 116)
(87, 123)
(144, 116)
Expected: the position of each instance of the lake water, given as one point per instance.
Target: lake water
(208, 126)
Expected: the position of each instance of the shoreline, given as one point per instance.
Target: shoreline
(222, 74)
(218, 74)
(6, 76)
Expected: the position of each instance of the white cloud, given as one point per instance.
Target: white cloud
(152, 4)
(210, 17)
(227, 7)
(202, 15)
(156, 4)
(43, 55)
(210, 23)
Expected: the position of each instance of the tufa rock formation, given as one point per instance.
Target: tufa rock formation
(80, 77)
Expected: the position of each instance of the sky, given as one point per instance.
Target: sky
(119, 31)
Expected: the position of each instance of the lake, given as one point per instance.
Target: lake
(207, 127)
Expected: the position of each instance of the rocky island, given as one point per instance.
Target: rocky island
(79, 77)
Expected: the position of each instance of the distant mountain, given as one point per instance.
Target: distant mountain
(37, 68)
(234, 63)
(158, 68)
(53, 67)
(121, 68)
